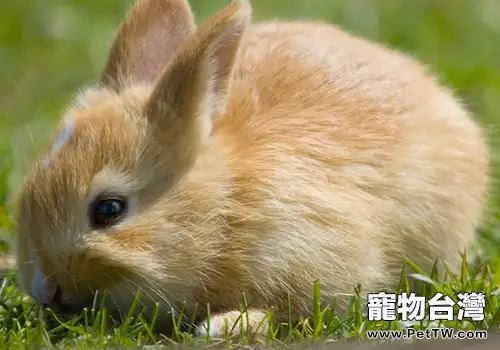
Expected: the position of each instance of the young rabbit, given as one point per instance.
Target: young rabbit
(236, 158)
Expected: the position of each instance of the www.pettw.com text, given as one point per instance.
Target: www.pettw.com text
(430, 333)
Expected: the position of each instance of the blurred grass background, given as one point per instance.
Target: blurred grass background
(49, 48)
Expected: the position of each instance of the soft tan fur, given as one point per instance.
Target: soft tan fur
(256, 158)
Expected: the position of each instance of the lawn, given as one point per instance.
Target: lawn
(48, 49)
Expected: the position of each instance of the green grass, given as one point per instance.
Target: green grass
(24, 324)
(48, 49)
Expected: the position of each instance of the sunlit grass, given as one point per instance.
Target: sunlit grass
(24, 324)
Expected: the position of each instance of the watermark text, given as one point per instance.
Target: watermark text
(429, 333)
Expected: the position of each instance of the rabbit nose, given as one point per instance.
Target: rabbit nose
(43, 289)
(47, 292)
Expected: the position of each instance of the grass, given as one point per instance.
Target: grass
(23, 324)
(49, 49)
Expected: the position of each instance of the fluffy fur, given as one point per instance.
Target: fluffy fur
(256, 158)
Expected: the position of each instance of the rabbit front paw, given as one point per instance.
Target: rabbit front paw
(234, 323)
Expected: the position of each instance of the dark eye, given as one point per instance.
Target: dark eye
(107, 211)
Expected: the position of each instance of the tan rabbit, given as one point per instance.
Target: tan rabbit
(236, 158)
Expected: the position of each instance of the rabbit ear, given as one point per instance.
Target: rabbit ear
(147, 39)
(193, 90)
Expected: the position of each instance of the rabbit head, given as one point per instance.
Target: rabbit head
(117, 204)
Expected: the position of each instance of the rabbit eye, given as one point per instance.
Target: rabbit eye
(107, 211)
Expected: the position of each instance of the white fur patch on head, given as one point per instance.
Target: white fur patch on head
(88, 95)
(61, 140)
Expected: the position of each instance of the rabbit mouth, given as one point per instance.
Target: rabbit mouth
(67, 306)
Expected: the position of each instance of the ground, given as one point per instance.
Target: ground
(49, 49)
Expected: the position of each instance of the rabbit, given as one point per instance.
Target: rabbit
(239, 158)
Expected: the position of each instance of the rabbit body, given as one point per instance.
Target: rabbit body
(304, 153)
